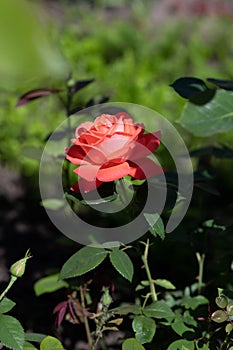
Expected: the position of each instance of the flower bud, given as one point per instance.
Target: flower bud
(18, 268)
(106, 298)
(228, 328)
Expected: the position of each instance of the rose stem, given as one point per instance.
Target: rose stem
(145, 262)
(200, 260)
(10, 284)
(86, 324)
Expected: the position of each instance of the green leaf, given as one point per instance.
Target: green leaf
(51, 343)
(132, 344)
(219, 316)
(156, 224)
(125, 309)
(164, 283)
(6, 305)
(122, 263)
(159, 309)
(28, 346)
(204, 347)
(179, 327)
(53, 203)
(35, 337)
(214, 117)
(144, 329)
(11, 332)
(86, 259)
(181, 345)
(194, 302)
(49, 284)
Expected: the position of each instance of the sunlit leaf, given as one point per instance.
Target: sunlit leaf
(6, 305)
(194, 302)
(164, 283)
(28, 346)
(181, 344)
(35, 337)
(144, 328)
(53, 203)
(11, 332)
(156, 224)
(85, 260)
(132, 344)
(159, 309)
(214, 117)
(122, 263)
(51, 343)
(49, 284)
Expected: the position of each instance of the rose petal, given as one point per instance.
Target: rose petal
(85, 186)
(145, 145)
(75, 155)
(144, 169)
(113, 172)
(83, 128)
(87, 171)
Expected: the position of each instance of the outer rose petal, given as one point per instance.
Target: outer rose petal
(144, 169)
(144, 146)
(75, 155)
(85, 186)
(87, 171)
(151, 141)
(114, 172)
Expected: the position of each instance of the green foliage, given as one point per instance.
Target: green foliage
(132, 344)
(28, 346)
(211, 118)
(6, 305)
(85, 260)
(193, 302)
(122, 263)
(159, 309)
(11, 332)
(49, 284)
(51, 343)
(181, 345)
(144, 328)
(156, 225)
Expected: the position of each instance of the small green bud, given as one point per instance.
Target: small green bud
(106, 298)
(228, 328)
(70, 83)
(18, 268)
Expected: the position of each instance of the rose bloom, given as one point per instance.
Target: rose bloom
(110, 148)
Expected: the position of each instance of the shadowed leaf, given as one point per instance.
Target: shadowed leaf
(35, 94)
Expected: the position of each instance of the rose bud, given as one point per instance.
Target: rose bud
(18, 268)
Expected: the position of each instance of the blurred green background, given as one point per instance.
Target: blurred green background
(133, 50)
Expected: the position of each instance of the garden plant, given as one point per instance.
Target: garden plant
(147, 203)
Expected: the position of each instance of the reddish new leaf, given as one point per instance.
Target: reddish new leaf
(34, 94)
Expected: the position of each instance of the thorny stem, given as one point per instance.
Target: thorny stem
(86, 324)
(200, 260)
(10, 284)
(145, 262)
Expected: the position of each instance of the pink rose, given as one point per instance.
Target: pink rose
(110, 148)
